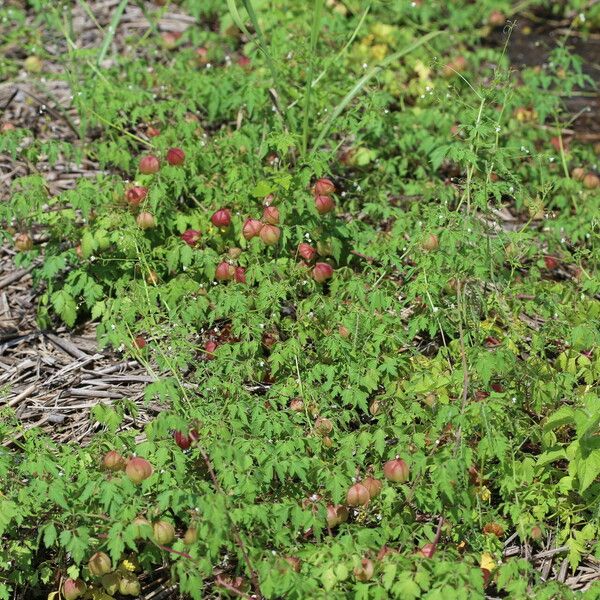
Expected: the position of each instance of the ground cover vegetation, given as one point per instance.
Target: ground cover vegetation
(357, 248)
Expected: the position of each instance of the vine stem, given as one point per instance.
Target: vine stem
(463, 357)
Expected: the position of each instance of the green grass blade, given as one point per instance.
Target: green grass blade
(112, 28)
(235, 15)
(360, 84)
(314, 35)
(261, 40)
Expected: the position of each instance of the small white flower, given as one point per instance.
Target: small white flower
(365, 66)
(208, 66)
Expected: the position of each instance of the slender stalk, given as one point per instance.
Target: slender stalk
(112, 29)
(360, 84)
(261, 40)
(314, 34)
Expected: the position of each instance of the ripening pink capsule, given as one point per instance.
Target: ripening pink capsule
(191, 237)
(224, 271)
(270, 234)
(145, 220)
(251, 228)
(185, 440)
(323, 187)
(358, 495)
(99, 564)
(134, 195)
(373, 486)
(324, 204)
(365, 571)
(210, 348)
(175, 156)
(306, 251)
(427, 551)
(222, 218)
(396, 470)
(149, 165)
(271, 215)
(113, 461)
(321, 272)
(240, 275)
(336, 514)
(138, 469)
(73, 589)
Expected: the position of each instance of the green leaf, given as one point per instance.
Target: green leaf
(262, 188)
(588, 470)
(564, 415)
(65, 306)
(50, 535)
